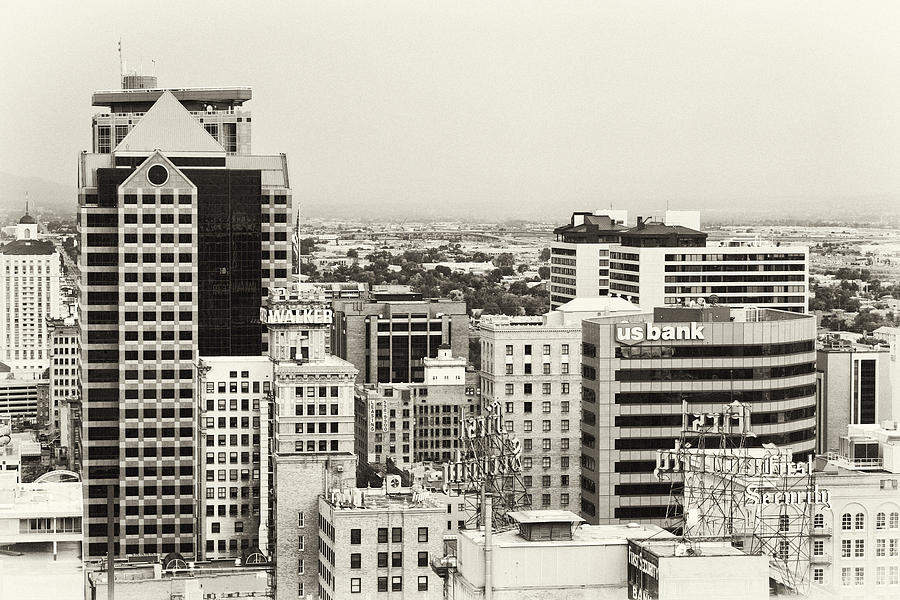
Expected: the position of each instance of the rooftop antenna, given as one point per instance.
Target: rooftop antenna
(121, 64)
(153, 60)
(26, 202)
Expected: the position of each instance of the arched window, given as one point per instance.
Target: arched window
(846, 521)
(895, 520)
(859, 521)
(784, 523)
(819, 521)
(880, 520)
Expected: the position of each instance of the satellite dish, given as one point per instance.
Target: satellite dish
(713, 299)
(173, 560)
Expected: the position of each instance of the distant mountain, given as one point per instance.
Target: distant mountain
(44, 195)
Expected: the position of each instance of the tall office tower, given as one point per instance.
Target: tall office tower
(232, 391)
(854, 388)
(655, 264)
(182, 234)
(638, 371)
(29, 294)
(388, 336)
(579, 257)
(308, 434)
(532, 366)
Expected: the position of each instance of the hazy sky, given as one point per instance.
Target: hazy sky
(482, 107)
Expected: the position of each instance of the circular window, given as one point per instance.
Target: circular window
(158, 174)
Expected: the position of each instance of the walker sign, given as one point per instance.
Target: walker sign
(635, 333)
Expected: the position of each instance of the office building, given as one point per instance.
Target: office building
(853, 388)
(531, 366)
(308, 434)
(655, 264)
(63, 370)
(409, 423)
(29, 294)
(388, 336)
(183, 232)
(375, 542)
(890, 337)
(638, 370)
(232, 391)
(579, 256)
(39, 512)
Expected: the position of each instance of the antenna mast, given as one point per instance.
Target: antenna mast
(121, 64)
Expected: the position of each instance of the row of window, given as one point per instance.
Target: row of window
(396, 584)
(564, 349)
(396, 535)
(527, 388)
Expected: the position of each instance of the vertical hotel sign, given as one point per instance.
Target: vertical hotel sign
(643, 573)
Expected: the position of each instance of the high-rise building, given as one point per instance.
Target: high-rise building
(63, 373)
(579, 257)
(232, 392)
(183, 232)
(532, 367)
(655, 264)
(29, 294)
(308, 436)
(638, 370)
(853, 388)
(388, 336)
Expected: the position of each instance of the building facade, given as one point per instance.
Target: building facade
(662, 265)
(63, 372)
(579, 256)
(183, 234)
(232, 392)
(373, 543)
(637, 372)
(29, 295)
(389, 339)
(853, 388)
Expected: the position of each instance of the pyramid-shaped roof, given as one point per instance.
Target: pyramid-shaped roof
(168, 126)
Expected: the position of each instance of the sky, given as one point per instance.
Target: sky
(479, 109)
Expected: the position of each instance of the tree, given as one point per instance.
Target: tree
(307, 245)
(544, 272)
(522, 268)
(545, 254)
(504, 260)
(352, 253)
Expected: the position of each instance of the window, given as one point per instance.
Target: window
(397, 534)
(423, 559)
(845, 548)
(382, 584)
(784, 549)
(509, 369)
(423, 583)
(545, 481)
(564, 499)
(527, 426)
(355, 585)
(880, 575)
(545, 462)
(894, 520)
(880, 545)
(382, 535)
(545, 425)
(526, 462)
(356, 560)
(545, 444)
(356, 536)
(510, 408)
(818, 548)
(382, 559)
(880, 520)
(509, 350)
(859, 548)
(819, 521)
(818, 575)
(547, 371)
(860, 521)
(784, 523)
(397, 583)
(545, 406)
(300, 567)
(300, 543)
(892, 547)
(526, 388)
(546, 349)
(846, 521)
(894, 573)
(396, 559)
(565, 390)
(859, 576)
(846, 576)
(508, 426)
(508, 388)
(423, 534)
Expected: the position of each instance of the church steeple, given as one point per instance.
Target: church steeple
(27, 227)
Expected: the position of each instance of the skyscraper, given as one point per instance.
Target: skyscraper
(182, 232)
(29, 293)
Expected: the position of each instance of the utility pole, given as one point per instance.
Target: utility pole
(110, 544)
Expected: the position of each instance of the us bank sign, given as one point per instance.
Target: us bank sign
(635, 333)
